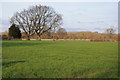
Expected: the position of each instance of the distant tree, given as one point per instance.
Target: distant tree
(47, 35)
(37, 19)
(14, 32)
(62, 33)
(5, 33)
(110, 32)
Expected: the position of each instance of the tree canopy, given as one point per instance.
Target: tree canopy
(37, 20)
(14, 32)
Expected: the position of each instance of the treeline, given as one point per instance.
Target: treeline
(93, 36)
(63, 35)
(84, 35)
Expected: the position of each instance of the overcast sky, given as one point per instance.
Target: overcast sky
(77, 16)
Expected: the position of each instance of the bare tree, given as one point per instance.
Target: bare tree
(110, 32)
(23, 21)
(37, 19)
(61, 33)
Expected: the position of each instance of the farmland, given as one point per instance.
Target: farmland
(59, 59)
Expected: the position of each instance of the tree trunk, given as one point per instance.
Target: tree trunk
(53, 39)
(110, 36)
(39, 38)
(54, 35)
(28, 37)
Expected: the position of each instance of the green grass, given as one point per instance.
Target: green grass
(59, 59)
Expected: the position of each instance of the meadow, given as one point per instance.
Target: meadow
(59, 59)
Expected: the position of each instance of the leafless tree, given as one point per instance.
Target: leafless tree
(24, 22)
(110, 32)
(37, 20)
(62, 33)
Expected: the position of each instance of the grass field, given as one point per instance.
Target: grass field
(59, 59)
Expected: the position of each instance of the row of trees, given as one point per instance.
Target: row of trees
(62, 34)
(37, 20)
(91, 36)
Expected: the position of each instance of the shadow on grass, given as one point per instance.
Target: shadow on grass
(7, 64)
(22, 43)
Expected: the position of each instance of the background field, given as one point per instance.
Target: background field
(59, 59)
